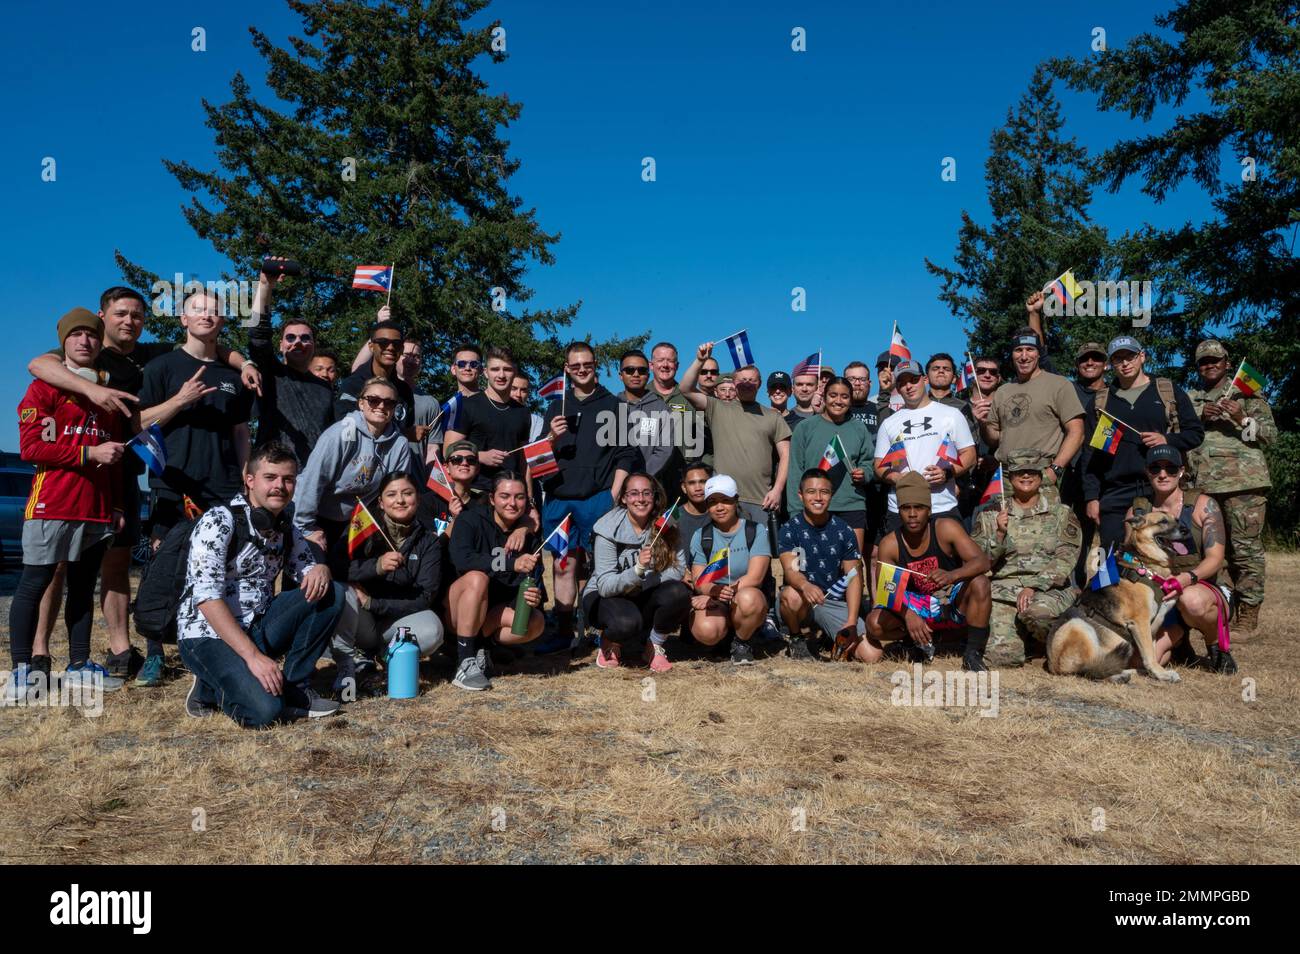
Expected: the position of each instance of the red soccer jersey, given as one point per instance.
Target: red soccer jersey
(55, 429)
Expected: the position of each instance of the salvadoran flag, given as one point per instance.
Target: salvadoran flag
(148, 444)
(738, 345)
(373, 277)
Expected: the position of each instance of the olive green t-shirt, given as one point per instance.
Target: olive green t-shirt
(744, 436)
(1034, 414)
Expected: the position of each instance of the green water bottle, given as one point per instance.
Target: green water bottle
(523, 612)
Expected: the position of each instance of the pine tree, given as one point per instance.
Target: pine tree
(385, 147)
(1236, 274)
(1038, 195)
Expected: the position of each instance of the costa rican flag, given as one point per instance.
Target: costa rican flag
(966, 377)
(540, 458)
(559, 541)
(738, 345)
(552, 388)
(373, 277)
(149, 445)
(809, 365)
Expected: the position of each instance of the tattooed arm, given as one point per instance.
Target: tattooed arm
(1214, 536)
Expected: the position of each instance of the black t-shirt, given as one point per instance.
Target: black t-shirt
(350, 389)
(201, 459)
(492, 426)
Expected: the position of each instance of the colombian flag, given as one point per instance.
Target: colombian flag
(896, 457)
(718, 570)
(994, 489)
(891, 587)
(361, 528)
(1065, 288)
(1247, 380)
(1107, 435)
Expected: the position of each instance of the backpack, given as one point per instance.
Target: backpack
(1164, 388)
(751, 534)
(162, 586)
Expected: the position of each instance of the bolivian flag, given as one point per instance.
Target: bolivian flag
(1107, 435)
(1248, 381)
(361, 527)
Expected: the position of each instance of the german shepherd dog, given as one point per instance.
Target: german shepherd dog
(1096, 636)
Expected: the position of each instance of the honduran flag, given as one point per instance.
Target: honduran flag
(891, 587)
(1065, 288)
(994, 489)
(540, 458)
(438, 481)
(738, 345)
(896, 457)
(966, 377)
(718, 569)
(809, 365)
(151, 448)
(949, 456)
(373, 277)
(552, 388)
(841, 586)
(898, 347)
(1107, 435)
(833, 456)
(559, 540)
(1107, 572)
(361, 527)
(451, 414)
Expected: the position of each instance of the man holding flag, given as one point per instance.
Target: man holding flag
(1231, 467)
(1148, 412)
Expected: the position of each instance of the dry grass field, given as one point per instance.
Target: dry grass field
(777, 762)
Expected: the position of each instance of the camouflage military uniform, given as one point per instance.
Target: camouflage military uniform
(1039, 551)
(1234, 472)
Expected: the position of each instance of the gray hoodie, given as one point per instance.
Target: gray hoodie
(654, 429)
(347, 463)
(616, 546)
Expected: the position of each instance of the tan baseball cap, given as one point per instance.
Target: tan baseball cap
(1211, 349)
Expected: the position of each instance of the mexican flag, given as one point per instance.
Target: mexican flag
(833, 456)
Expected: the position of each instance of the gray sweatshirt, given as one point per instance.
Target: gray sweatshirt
(617, 545)
(346, 463)
(653, 433)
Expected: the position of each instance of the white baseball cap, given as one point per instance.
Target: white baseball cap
(722, 485)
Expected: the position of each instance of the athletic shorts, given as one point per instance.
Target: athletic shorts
(130, 534)
(856, 519)
(585, 514)
(833, 615)
(55, 541)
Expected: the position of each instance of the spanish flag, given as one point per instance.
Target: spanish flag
(361, 528)
(1247, 380)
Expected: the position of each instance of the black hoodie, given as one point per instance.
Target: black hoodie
(587, 467)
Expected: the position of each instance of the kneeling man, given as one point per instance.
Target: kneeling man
(1033, 544)
(946, 585)
(231, 626)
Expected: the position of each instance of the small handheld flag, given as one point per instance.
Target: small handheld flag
(966, 377)
(361, 527)
(841, 586)
(1107, 436)
(558, 541)
(994, 489)
(1107, 572)
(1247, 380)
(540, 458)
(809, 365)
(667, 517)
(438, 481)
(451, 413)
(717, 570)
(373, 277)
(738, 345)
(440, 526)
(1065, 288)
(891, 587)
(149, 445)
(949, 456)
(898, 347)
(896, 457)
(551, 388)
(833, 456)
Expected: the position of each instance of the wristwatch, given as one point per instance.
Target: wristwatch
(1195, 579)
(1058, 470)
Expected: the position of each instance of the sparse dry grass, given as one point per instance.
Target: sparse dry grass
(580, 768)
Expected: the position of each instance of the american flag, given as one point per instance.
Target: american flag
(809, 365)
(373, 277)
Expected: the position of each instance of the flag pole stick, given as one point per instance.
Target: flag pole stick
(549, 535)
(564, 390)
(378, 526)
(392, 280)
(974, 377)
(670, 515)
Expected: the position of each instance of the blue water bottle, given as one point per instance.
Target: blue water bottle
(403, 665)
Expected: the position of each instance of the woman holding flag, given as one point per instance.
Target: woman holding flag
(839, 445)
(636, 594)
(394, 579)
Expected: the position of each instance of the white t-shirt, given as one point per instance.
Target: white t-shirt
(922, 431)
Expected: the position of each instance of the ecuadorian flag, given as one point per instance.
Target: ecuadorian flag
(891, 587)
(1107, 435)
(718, 570)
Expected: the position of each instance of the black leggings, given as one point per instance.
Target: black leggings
(628, 619)
(79, 608)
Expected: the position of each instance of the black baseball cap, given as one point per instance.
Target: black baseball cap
(887, 360)
(778, 379)
(1165, 452)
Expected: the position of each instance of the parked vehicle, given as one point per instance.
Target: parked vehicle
(15, 487)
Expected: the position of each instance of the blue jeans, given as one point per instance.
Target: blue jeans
(291, 627)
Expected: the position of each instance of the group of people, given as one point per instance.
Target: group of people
(913, 518)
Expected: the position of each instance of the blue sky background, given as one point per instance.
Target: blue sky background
(775, 169)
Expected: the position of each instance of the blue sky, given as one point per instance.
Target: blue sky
(775, 169)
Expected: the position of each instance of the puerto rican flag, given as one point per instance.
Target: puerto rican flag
(809, 365)
(373, 277)
(540, 458)
(552, 388)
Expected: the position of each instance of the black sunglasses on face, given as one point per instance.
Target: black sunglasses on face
(377, 402)
(386, 343)
(986, 372)
(462, 460)
(469, 364)
(291, 337)
(632, 369)
(705, 371)
(1163, 469)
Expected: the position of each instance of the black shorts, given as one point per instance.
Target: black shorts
(130, 534)
(856, 519)
(501, 594)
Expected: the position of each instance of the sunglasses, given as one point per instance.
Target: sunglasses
(704, 373)
(986, 372)
(386, 344)
(474, 365)
(387, 404)
(462, 460)
(633, 369)
(1163, 469)
(581, 366)
(290, 337)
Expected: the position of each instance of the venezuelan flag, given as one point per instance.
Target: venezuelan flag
(1107, 435)
(891, 587)
(1247, 380)
(361, 527)
(718, 569)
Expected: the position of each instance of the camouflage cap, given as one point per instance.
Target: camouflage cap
(1211, 349)
(1026, 458)
(1090, 347)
